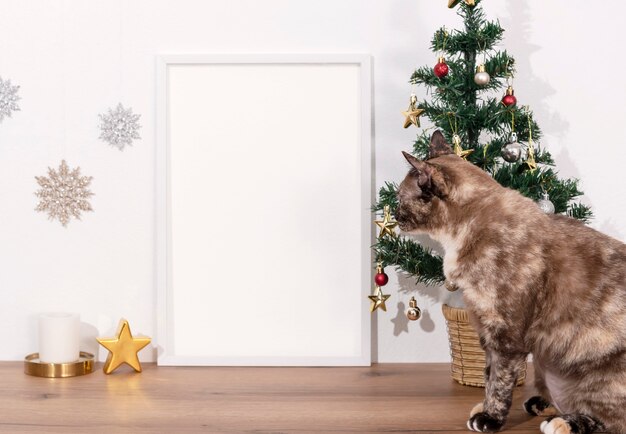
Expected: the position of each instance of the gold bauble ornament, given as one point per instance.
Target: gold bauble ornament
(123, 348)
(450, 286)
(387, 224)
(378, 300)
(414, 312)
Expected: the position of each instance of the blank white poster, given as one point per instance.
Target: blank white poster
(266, 206)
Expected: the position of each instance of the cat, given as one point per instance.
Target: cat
(533, 283)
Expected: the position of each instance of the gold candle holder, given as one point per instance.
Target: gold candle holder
(33, 366)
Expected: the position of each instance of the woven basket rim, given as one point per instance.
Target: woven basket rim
(455, 313)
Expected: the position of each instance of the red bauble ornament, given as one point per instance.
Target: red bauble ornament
(509, 99)
(381, 279)
(441, 68)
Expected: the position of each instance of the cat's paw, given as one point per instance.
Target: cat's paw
(555, 425)
(483, 422)
(478, 408)
(571, 423)
(538, 406)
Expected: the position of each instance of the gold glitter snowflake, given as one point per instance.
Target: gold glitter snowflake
(64, 193)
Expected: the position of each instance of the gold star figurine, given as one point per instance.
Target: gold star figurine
(378, 300)
(387, 224)
(123, 348)
(412, 114)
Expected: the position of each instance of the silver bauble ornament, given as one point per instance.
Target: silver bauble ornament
(512, 151)
(482, 77)
(545, 205)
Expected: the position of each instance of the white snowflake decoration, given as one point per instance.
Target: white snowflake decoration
(8, 98)
(119, 127)
(64, 193)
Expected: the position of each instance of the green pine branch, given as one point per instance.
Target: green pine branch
(421, 145)
(387, 196)
(534, 184)
(412, 258)
(499, 66)
(580, 212)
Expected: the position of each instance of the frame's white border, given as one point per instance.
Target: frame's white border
(165, 337)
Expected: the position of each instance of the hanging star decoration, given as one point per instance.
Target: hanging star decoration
(530, 164)
(119, 127)
(64, 193)
(123, 348)
(458, 150)
(8, 98)
(378, 300)
(412, 114)
(387, 224)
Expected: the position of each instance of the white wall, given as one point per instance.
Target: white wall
(75, 58)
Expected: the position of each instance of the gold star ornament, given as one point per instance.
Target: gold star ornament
(458, 150)
(123, 348)
(453, 3)
(378, 300)
(530, 163)
(464, 153)
(387, 224)
(412, 114)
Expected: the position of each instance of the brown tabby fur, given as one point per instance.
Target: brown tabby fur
(533, 283)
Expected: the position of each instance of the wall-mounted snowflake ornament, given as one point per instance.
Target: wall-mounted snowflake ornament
(8, 98)
(64, 193)
(119, 127)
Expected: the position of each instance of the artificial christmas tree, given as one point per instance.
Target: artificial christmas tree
(474, 105)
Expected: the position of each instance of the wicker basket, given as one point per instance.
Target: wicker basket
(468, 358)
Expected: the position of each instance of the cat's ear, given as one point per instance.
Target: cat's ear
(423, 170)
(429, 179)
(438, 145)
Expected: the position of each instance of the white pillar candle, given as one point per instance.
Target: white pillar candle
(59, 337)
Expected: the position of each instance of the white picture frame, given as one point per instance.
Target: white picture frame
(297, 202)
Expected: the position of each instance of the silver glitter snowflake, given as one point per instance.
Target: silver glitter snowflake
(119, 127)
(64, 193)
(8, 98)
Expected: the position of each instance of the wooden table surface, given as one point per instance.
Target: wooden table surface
(382, 398)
